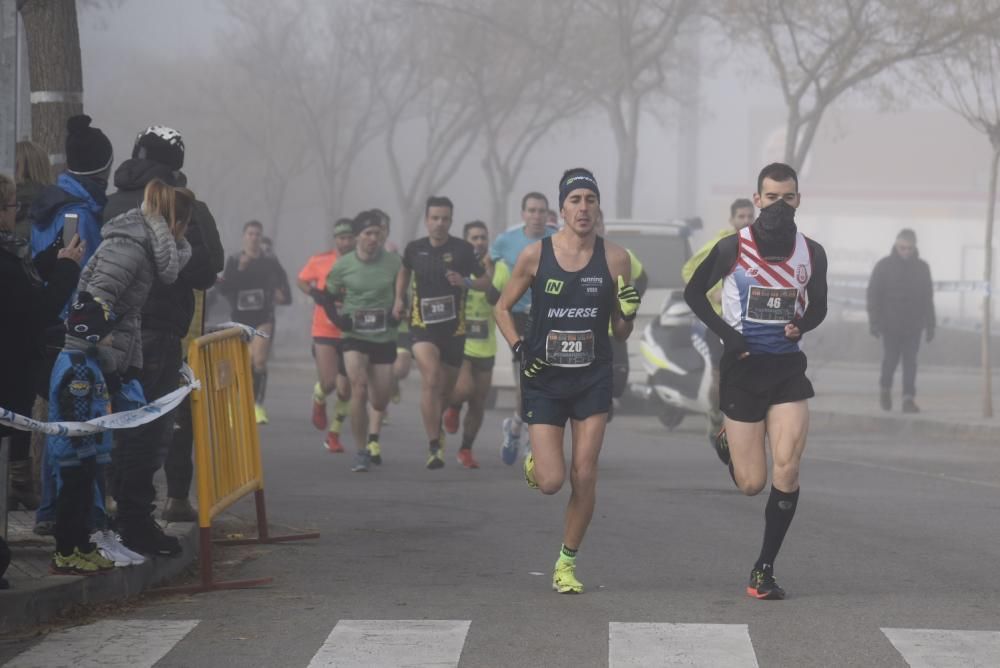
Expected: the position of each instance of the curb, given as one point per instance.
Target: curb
(37, 601)
(901, 426)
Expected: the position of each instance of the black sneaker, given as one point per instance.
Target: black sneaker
(885, 400)
(763, 587)
(146, 537)
(909, 406)
(720, 442)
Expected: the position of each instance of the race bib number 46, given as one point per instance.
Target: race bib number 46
(437, 309)
(569, 349)
(771, 305)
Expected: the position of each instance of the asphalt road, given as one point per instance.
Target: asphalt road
(888, 535)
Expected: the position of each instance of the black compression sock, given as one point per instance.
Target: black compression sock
(373, 437)
(777, 518)
(467, 442)
(435, 444)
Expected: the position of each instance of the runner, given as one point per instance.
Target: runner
(399, 366)
(441, 265)
(366, 279)
(254, 284)
(566, 356)
(740, 215)
(774, 291)
(507, 247)
(476, 374)
(326, 348)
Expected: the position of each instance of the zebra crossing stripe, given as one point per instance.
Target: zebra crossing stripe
(364, 643)
(688, 645)
(110, 643)
(938, 648)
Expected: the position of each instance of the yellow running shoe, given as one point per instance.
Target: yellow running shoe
(436, 459)
(98, 559)
(529, 471)
(260, 414)
(375, 452)
(564, 579)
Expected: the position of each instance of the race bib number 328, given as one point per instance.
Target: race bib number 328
(771, 305)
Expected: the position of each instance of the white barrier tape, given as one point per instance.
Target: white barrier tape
(56, 97)
(248, 331)
(123, 420)
(939, 286)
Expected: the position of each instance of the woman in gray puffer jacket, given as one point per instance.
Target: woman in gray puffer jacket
(137, 248)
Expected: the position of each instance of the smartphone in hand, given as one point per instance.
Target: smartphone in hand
(71, 222)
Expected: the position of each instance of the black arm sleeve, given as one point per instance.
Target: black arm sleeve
(492, 295)
(816, 289)
(714, 267)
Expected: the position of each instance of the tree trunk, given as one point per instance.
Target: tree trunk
(988, 277)
(56, 73)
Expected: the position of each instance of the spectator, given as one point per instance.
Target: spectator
(900, 308)
(29, 304)
(140, 246)
(79, 190)
(32, 174)
(170, 313)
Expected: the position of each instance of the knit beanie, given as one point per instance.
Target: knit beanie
(88, 150)
(89, 319)
(160, 144)
(574, 179)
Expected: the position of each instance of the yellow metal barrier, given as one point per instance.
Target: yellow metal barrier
(226, 446)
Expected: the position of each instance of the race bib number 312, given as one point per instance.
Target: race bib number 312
(437, 309)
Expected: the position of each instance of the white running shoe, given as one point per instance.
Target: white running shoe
(110, 546)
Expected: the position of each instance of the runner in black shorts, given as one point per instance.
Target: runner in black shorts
(254, 284)
(773, 291)
(441, 266)
(566, 356)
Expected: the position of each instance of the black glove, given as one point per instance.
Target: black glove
(530, 366)
(873, 328)
(930, 334)
(319, 296)
(344, 323)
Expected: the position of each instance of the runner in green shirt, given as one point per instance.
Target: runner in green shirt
(476, 373)
(365, 282)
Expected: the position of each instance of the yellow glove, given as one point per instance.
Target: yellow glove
(628, 299)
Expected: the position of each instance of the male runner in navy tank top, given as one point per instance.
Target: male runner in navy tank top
(774, 290)
(566, 354)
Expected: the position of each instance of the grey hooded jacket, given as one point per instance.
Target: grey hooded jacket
(135, 251)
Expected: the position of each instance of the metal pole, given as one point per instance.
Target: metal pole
(8, 84)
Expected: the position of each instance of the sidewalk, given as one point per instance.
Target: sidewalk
(36, 596)
(950, 400)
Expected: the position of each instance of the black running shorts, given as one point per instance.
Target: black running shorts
(450, 347)
(557, 395)
(481, 363)
(378, 353)
(335, 343)
(749, 387)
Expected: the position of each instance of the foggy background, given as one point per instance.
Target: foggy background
(232, 77)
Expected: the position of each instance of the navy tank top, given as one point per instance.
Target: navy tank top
(570, 311)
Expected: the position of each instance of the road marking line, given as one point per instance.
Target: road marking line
(688, 645)
(366, 643)
(902, 469)
(109, 643)
(937, 648)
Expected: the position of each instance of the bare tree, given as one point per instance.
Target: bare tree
(299, 98)
(53, 39)
(821, 49)
(629, 65)
(425, 111)
(968, 82)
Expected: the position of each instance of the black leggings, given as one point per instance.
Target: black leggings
(73, 507)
